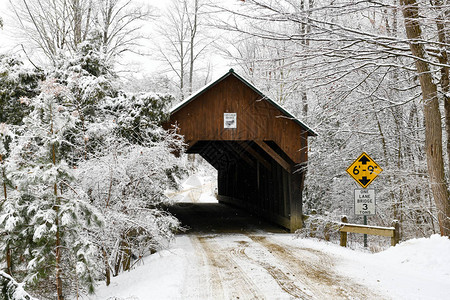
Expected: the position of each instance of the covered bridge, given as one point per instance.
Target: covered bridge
(258, 148)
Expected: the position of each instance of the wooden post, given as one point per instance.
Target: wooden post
(344, 234)
(396, 238)
(296, 186)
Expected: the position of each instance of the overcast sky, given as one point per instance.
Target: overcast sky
(8, 40)
(5, 38)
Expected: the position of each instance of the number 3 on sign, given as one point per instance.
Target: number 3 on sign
(365, 202)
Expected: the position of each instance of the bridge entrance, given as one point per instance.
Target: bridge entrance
(258, 148)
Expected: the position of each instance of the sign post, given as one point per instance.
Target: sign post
(364, 170)
(365, 206)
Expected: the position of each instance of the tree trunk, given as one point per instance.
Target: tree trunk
(193, 30)
(8, 260)
(107, 270)
(126, 252)
(58, 253)
(7, 250)
(443, 59)
(182, 70)
(305, 30)
(5, 193)
(432, 115)
(76, 10)
(59, 290)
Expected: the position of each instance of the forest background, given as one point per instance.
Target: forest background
(85, 87)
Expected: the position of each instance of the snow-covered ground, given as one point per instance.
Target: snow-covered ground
(279, 266)
(260, 265)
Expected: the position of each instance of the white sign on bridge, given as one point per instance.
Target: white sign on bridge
(365, 202)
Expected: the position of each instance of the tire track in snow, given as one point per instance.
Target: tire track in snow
(282, 279)
(305, 270)
(315, 269)
(205, 282)
(233, 278)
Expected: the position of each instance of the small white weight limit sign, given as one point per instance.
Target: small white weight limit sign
(365, 202)
(229, 120)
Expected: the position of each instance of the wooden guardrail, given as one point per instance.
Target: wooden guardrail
(392, 232)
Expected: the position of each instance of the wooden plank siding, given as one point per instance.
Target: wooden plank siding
(257, 162)
(257, 119)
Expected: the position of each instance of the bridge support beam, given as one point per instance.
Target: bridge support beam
(296, 188)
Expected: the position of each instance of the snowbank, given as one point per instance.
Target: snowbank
(430, 255)
(159, 276)
(415, 269)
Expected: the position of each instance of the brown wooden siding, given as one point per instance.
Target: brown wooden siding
(257, 119)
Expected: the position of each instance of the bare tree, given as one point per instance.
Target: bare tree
(443, 32)
(432, 114)
(56, 26)
(52, 26)
(182, 43)
(193, 26)
(174, 51)
(120, 23)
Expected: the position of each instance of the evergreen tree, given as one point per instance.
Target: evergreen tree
(127, 179)
(6, 137)
(50, 214)
(11, 290)
(17, 85)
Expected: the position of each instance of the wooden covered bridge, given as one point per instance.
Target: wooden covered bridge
(258, 148)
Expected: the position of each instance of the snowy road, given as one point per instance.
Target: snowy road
(237, 256)
(250, 266)
(228, 254)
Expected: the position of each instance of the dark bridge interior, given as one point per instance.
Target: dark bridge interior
(249, 178)
(210, 218)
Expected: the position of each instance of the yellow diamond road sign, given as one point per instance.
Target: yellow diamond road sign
(364, 170)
